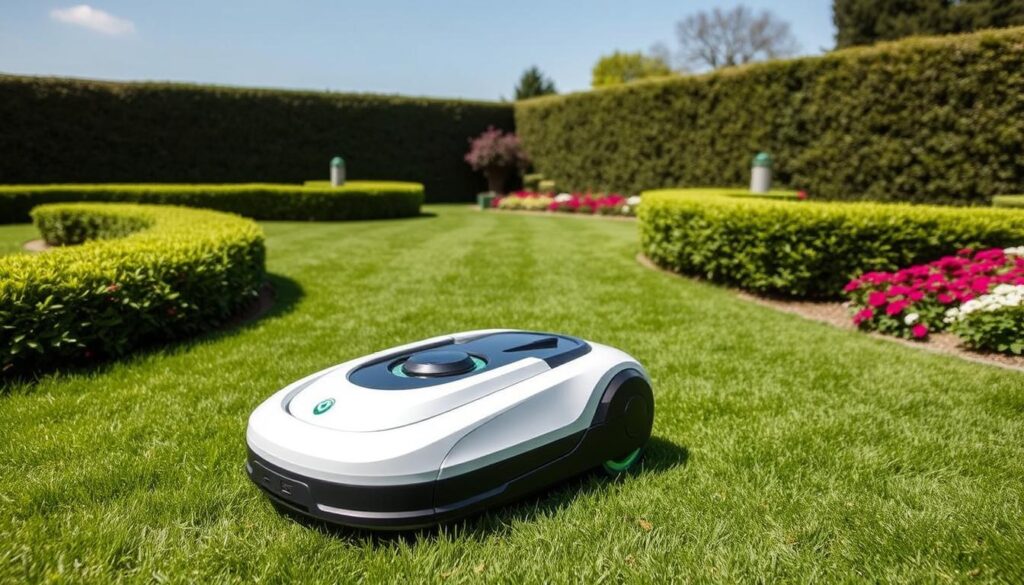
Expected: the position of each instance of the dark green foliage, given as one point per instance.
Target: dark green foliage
(804, 248)
(863, 22)
(68, 131)
(354, 200)
(150, 274)
(1001, 331)
(922, 120)
(533, 83)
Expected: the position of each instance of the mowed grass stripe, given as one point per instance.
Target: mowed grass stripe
(784, 449)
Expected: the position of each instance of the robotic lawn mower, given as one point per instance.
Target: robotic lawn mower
(436, 430)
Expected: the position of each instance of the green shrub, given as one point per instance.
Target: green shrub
(1008, 201)
(77, 131)
(531, 181)
(354, 200)
(144, 274)
(993, 321)
(806, 248)
(921, 120)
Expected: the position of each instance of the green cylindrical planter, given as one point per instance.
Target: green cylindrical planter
(485, 199)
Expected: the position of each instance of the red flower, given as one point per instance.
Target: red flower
(896, 307)
(863, 315)
(920, 330)
(801, 195)
(876, 298)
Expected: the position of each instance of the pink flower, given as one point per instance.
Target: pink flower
(863, 315)
(895, 307)
(980, 284)
(876, 298)
(899, 290)
(920, 330)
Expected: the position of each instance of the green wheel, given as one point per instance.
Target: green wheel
(615, 467)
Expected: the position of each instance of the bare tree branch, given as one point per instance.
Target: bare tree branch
(721, 38)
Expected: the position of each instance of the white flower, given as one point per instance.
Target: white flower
(563, 197)
(911, 318)
(1003, 296)
(635, 200)
(1015, 251)
(625, 209)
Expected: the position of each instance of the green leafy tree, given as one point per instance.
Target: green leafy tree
(619, 68)
(533, 83)
(863, 22)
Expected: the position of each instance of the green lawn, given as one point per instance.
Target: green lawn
(783, 450)
(13, 237)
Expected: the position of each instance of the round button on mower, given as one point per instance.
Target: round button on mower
(439, 362)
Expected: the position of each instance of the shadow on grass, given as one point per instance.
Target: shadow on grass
(660, 456)
(285, 294)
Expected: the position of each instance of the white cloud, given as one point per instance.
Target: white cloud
(93, 19)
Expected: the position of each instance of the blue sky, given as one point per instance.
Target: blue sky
(455, 48)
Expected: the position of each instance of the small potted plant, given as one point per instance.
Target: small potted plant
(495, 153)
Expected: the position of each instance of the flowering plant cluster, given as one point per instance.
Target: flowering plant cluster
(992, 321)
(921, 299)
(603, 204)
(495, 153)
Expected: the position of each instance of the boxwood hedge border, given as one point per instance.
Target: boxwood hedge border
(141, 274)
(356, 200)
(806, 249)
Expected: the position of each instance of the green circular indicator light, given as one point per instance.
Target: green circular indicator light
(324, 406)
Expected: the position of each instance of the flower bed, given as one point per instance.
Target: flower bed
(587, 203)
(976, 295)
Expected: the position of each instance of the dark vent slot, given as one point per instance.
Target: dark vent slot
(545, 343)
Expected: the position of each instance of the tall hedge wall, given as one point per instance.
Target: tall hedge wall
(70, 131)
(925, 120)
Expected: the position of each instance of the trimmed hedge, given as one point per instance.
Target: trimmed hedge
(1008, 201)
(354, 200)
(921, 120)
(77, 131)
(144, 274)
(804, 248)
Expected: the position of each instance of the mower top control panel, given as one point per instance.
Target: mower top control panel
(447, 361)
